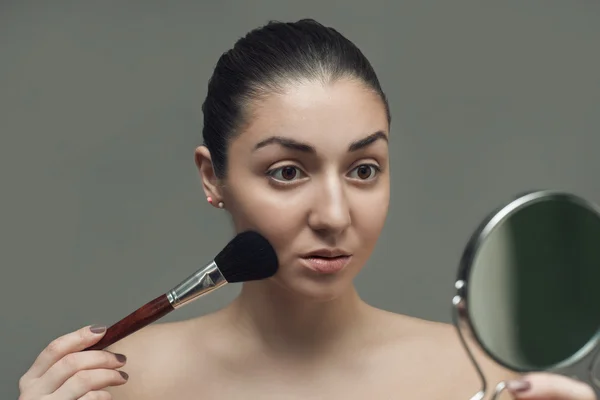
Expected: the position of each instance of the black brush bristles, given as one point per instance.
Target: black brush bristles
(247, 257)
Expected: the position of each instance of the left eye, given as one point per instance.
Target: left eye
(364, 172)
(286, 173)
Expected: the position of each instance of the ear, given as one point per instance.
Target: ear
(210, 181)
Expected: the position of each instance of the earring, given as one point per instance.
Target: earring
(209, 199)
(221, 205)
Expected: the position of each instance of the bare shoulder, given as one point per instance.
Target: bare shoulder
(159, 357)
(435, 349)
(429, 340)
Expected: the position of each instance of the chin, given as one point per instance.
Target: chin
(320, 294)
(317, 289)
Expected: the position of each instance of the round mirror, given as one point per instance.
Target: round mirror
(529, 281)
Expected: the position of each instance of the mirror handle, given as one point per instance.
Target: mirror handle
(457, 303)
(499, 389)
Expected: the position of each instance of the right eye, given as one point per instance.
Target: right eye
(286, 174)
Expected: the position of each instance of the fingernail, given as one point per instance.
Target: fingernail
(124, 375)
(121, 358)
(97, 328)
(518, 386)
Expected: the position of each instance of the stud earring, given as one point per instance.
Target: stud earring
(209, 199)
(221, 205)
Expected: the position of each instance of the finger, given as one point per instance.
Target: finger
(96, 395)
(60, 347)
(547, 386)
(88, 381)
(70, 364)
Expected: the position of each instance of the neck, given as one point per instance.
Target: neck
(284, 321)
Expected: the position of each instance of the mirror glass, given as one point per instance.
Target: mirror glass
(533, 281)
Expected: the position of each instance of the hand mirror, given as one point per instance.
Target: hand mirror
(528, 286)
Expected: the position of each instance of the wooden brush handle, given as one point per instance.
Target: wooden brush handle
(135, 321)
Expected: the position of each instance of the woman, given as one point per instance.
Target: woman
(296, 130)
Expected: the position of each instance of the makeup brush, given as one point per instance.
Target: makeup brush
(247, 257)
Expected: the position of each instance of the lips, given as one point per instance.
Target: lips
(327, 261)
(328, 253)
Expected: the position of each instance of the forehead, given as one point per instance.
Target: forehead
(321, 114)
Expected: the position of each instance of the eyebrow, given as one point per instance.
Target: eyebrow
(306, 148)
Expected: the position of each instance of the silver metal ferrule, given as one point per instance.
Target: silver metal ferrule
(200, 283)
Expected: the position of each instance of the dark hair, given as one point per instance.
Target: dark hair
(266, 59)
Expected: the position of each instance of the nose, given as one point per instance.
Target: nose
(330, 213)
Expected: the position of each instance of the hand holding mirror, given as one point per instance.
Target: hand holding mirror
(528, 286)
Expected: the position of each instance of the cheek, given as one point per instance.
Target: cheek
(279, 216)
(369, 212)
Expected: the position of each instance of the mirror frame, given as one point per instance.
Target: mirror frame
(461, 315)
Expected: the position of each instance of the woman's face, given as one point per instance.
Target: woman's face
(310, 172)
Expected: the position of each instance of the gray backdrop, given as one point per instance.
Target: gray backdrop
(100, 113)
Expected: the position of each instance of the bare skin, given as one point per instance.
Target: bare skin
(301, 334)
(392, 357)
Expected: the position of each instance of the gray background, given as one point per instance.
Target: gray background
(100, 113)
